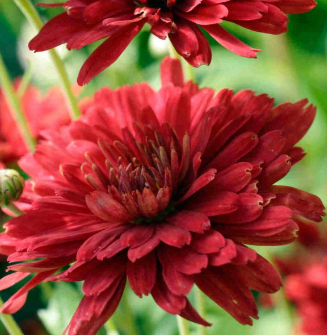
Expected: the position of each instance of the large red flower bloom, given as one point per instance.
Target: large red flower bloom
(163, 189)
(87, 21)
(41, 111)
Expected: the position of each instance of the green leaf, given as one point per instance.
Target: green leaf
(61, 308)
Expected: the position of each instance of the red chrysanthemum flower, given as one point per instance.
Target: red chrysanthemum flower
(163, 189)
(87, 21)
(41, 111)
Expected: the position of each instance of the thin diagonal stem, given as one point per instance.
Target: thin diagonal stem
(27, 77)
(15, 106)
(172, 51)
(129, 316)
(189, 71)
(33, 17)
(182, 326)
(10, 323)
(111, 328)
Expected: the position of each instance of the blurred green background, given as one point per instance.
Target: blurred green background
(291, 67)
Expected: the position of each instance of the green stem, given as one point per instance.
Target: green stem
(182, 326)
(10, 323)
(189, 71)
(199, 298)
(111, 328)
(172, 51)
(15, 106)
(15, 210)
(129, 316)
(27, 77)
(32, 15)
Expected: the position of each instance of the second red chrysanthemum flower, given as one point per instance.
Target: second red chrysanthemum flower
(87, 21)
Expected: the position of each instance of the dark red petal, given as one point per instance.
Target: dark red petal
(225, 255)
(232, 179)
(60, 204)
(205, 14)
(245, 10)
(250, 208)
(268, 148)
(184, 39)
(261, 276)
(272, 22)
(167, 300)
(188, 5)
(173, 235)
(186, 260)
(300, 202)
(107, 208)
(177, 282)
(301, 117)
(108, 52)
(16, 302)
(296, 7)
(227, 292)
(234, 151)
(189, 313)
(191, 221)
(113, 249)
(103, 276)
(274, 226)
(213, 204)
(96, 243)
(142, 274)
(56, 32)
(275, 171)
(199, 183)
(93, 312)
(229, 41)
(137, 235)
(142, 250)
(42, 265)
(210, 242)
(12, 279)
(171, 72)
(244, 255)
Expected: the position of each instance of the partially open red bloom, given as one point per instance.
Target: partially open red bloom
(163, 189)
(41, 112)
(87, 21)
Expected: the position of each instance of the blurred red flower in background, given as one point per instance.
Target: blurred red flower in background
(305, 272)
(87, 21)
(41, 111)
(308, 290)
(163, 189)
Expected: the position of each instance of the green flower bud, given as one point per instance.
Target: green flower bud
(11, 186)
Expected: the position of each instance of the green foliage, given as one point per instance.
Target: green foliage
(62, 305)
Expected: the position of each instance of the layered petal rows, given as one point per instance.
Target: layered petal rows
(163, 189)
(182, 21)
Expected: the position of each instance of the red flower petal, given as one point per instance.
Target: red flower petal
(191, 221)
(229, 41)
(108, 52)
(142, 274)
